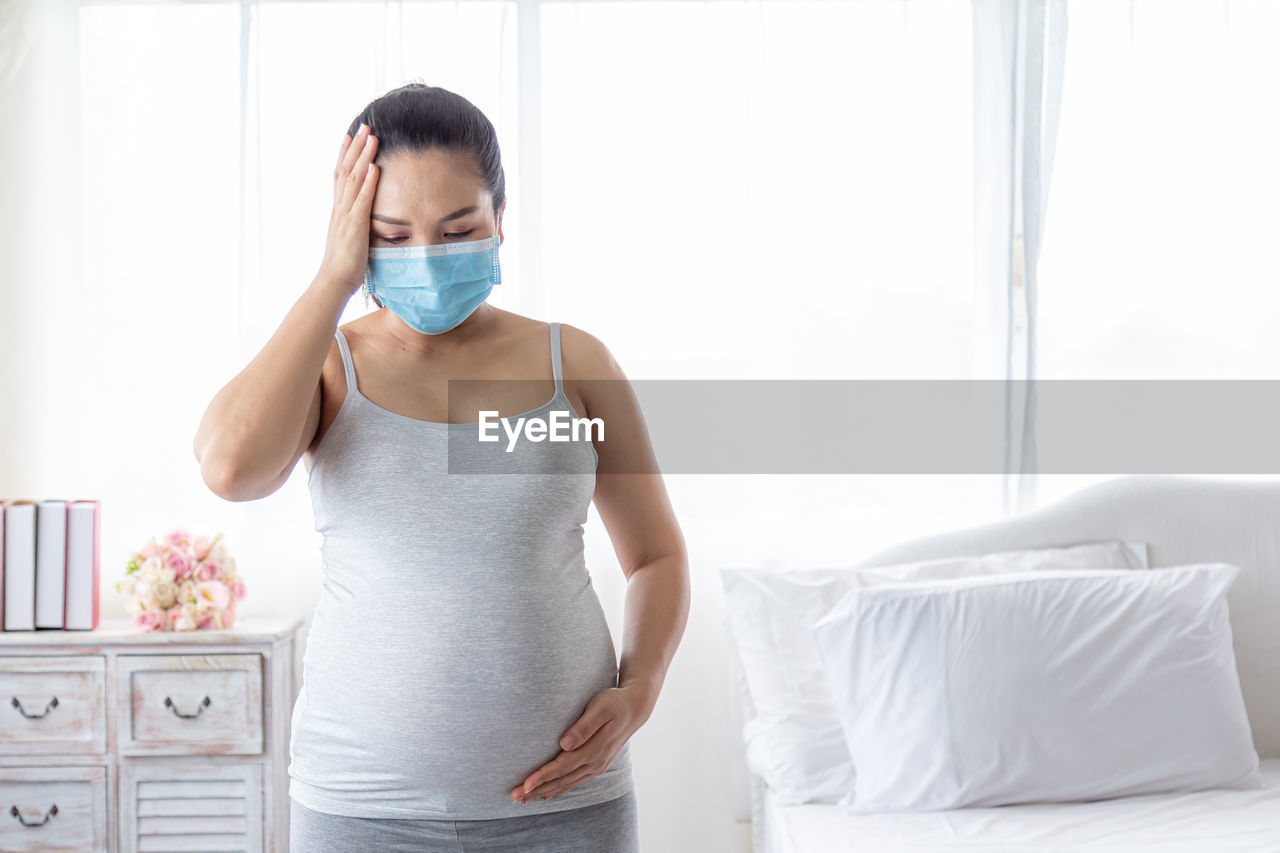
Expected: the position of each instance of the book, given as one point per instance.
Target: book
(84, 534)
(51, 562)
(19, 565)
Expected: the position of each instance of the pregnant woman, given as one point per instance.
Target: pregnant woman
(461, 690)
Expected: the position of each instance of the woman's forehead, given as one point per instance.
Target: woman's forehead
(427, 187)
(432, 165)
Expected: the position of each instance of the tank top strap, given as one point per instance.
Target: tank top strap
(348, 366)
(556, 370)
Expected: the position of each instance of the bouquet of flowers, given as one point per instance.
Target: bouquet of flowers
(181, 583)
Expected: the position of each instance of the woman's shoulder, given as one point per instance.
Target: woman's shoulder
(585, 356)
(354, 328)
(582, 354)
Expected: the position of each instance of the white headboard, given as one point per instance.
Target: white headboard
(1182, 519)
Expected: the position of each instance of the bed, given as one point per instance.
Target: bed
(1182, 520)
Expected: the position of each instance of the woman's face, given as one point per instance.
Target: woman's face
(428, 198)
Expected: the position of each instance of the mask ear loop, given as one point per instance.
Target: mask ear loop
(365, 287)
(495, 271)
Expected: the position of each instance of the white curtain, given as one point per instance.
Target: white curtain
(1160, 263)
(1019, 57)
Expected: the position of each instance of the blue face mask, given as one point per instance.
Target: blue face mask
(433, 288)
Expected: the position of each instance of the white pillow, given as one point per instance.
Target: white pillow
(795, 742)
(1051, 686)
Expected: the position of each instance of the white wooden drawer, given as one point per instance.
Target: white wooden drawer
(181, 806)
(58, 809)
(52, 705)
(189, 704)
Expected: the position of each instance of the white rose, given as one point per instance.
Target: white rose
(189, 611)
(144, 590)
(151, 569)
(184, 623)
(187, 593)
(218, 553)
(127, 584)
(165, 593)
(166, 574)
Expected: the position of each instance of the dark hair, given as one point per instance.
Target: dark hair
(416, 117)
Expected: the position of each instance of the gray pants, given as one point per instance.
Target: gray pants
(608, 827)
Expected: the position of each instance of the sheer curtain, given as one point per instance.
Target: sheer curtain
(1160, 260)
(1019, 51)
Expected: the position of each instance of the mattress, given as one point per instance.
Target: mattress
(1215, 821)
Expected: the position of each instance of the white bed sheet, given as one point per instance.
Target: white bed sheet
(1216, 821)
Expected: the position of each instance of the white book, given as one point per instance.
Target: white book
(83, 526)
(51, 562)
(20, 565)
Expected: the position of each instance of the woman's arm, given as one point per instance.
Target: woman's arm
(631, 498)
(262, 421)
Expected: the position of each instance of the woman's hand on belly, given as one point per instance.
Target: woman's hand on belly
(589, 746)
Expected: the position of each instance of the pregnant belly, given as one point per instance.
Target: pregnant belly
(467, 708)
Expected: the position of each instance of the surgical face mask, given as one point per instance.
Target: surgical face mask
(433, 288)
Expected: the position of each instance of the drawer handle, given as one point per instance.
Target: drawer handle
(53, 703)
(204, 704)
(53, 810)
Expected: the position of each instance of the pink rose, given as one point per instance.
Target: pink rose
(206, 622)
(237, 590)
(208, 572)
(177, 537)
(228, 617)
(174, 613)
(200, 547)
(147, 620)
(149, 550)
(179, 563)
(212, 594)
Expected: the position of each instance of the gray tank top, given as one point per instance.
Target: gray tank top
(457, 635)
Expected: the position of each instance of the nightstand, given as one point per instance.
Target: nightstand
(116, 740)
